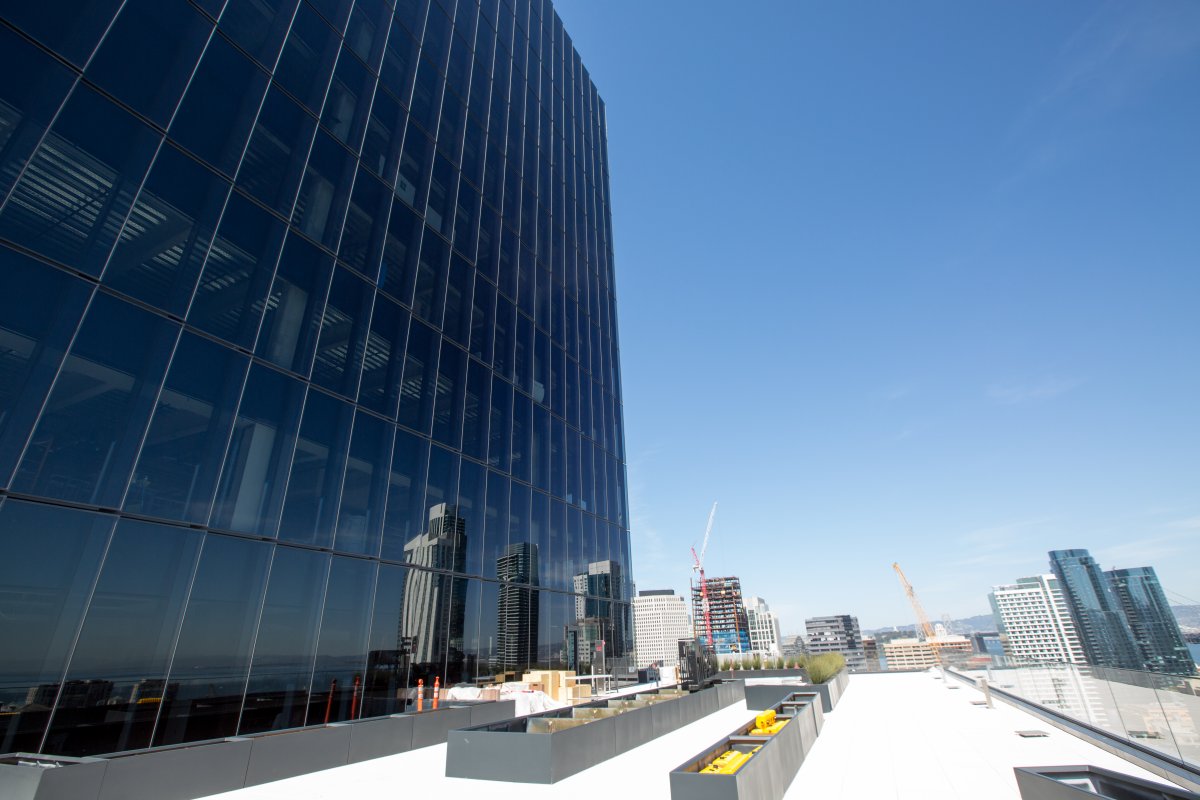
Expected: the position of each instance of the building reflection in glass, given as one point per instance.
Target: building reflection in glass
(518, 609)
(432, 623)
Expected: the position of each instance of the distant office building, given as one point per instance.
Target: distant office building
(1034, 623)
(517, 613)
(1095, 609)
(836, 634)
(919, 653)
(435, 603)
(660, 621)
(870, 653)
(764, 627)
(792, 645)
(727, 613)
(1155, 629)
(987, 643)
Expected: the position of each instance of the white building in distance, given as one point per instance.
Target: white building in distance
(764, 627)
(1034, 622)
(660, 620)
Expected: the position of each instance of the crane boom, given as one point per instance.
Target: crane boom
(698, 566)
(922, 618)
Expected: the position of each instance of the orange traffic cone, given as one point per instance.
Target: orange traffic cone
(437, 690)
(420, 695)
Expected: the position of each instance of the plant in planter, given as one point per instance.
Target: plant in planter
(823, 667)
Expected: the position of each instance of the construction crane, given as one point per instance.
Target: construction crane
(698, 566)
(922, 618)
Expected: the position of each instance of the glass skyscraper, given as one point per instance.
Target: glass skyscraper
(1154, 626)
(307, 344)
(1096, 611)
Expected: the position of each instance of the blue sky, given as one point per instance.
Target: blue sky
(913, 282)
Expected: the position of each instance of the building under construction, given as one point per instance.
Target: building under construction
(726, 614)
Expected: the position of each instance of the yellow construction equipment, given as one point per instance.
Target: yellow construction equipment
(765, 724)
(729, 762)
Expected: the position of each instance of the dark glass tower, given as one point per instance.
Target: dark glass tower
(1154, 626)
(1099, 620)
(307, 322)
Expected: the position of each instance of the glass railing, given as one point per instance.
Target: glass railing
(1155, 711)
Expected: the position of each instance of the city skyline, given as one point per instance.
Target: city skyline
(908, 284)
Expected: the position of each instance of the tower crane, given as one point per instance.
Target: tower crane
(698, 566)
(922, 618)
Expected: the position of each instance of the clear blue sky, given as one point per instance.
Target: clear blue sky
(913, 282)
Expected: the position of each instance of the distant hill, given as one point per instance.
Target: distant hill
(1188, 616)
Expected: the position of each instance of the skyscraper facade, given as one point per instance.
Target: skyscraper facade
(1100, 623)
(307, 331)
(660, 621)
(764, 627)
(837, 633)
(1155, 629)
(726, 614)
(1034, 622)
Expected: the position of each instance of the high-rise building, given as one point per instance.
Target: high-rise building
(1100, 623)
(307, 330)
(838, 633)
(764, 627)
(601, 627)
(726, 614)
(1154, 626)
(1034, 622)
(660, 621)
(518, 611)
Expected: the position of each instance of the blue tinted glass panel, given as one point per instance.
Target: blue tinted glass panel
(258, 26)
(427, 96)
(307, 60)
(383, 362)
(500, 429)
(281, 673)
(177, 471)
(367, 30)
(430, 294)
(219, 108)
(343, 333)
(318, 465)
(496, 525)
(349, 100)
(260, 453)
(366, 225)
(126, 641)
(164, 243)
(32, 85)
(405, 516)
(451, 391)
(237, 275)
(389, 652)
(420, 378)
(292, 322)
(87, 438)
(401, 246)
(274, 162)
(384, 137)
(36, 325)
(167, 36)
(79, 185)
(412, 184)
(51, 558)
(342, 645)
(328, 178)
(443, 185)
(483, 320)
(71, 28)
(364, 491)
(476, 411)
(212, 659)
(471, 491)
(396, 72)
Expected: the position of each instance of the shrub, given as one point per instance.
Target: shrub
(823, 667)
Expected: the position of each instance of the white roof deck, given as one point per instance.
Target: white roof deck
(903, 735)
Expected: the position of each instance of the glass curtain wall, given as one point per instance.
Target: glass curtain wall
(309, 371)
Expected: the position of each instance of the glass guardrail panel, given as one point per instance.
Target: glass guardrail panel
(1182, 713)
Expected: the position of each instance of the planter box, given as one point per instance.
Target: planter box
(759, 695)
(768, 773)
(199, 769)
(1047, 783)
(508, 751)
(742, 674)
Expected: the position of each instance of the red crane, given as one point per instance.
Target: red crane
(698, 566)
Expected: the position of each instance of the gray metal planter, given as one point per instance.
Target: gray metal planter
(547, 747)
(768, 773)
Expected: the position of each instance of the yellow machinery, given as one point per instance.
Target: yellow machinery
(765, 724)
(729, 762)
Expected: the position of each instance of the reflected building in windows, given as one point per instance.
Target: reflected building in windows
(518, 611)
(307, 314)
(602, 625)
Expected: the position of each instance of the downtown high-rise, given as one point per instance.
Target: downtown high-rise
(1034, 621)
(308, 357)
